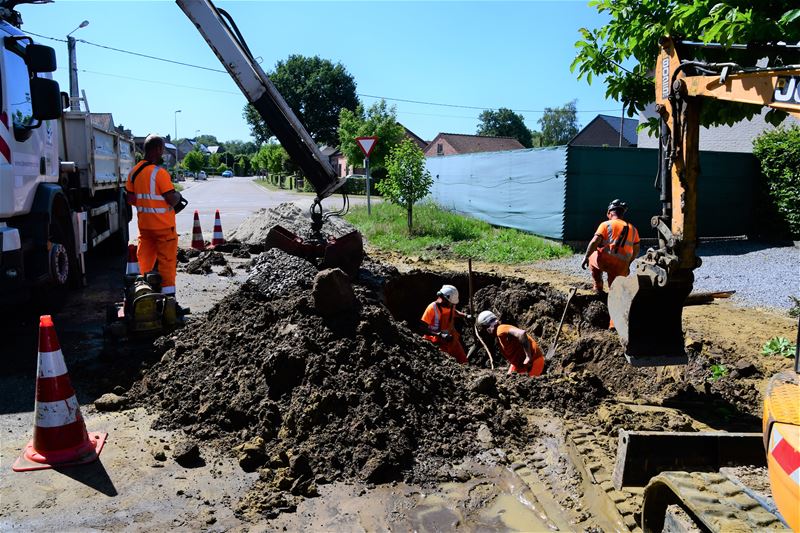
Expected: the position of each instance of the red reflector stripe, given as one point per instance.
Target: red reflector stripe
(54, 389)
(786, 456)
(5, 150)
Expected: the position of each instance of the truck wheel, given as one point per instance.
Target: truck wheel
(63, 261)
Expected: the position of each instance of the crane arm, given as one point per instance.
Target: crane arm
(221, 34)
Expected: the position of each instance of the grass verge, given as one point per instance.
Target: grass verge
(441, 233)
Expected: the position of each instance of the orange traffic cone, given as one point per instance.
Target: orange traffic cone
(59, 434)
(132, 269)
(197, 234)
(217, 239)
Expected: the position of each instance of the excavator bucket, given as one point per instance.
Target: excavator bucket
(648, 319)
(346, 252)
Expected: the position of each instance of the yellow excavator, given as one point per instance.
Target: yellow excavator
(647, 305)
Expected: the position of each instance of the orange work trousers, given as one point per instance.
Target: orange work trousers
(453, 348)
(161, 244)
(613, 266)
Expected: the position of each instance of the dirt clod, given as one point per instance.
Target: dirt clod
(333, 293)
(186, 453)
(110, 402)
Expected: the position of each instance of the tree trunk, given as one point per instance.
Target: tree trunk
(410, 219)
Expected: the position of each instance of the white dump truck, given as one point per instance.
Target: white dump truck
(62, 173)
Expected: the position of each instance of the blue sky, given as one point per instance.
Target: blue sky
(481, 54)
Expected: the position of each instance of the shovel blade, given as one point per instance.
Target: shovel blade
(648, 319)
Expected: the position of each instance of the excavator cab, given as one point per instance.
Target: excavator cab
(647, 306)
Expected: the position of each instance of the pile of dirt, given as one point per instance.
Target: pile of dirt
(253, 231)
(309, 398)
(204, 261)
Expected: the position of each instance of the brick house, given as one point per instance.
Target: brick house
(457, 143)
(604, 130)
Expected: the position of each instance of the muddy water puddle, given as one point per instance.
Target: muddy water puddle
(494, 499)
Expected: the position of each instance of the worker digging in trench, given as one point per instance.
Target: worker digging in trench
(516, 345)
(613, 248)
(439, 323)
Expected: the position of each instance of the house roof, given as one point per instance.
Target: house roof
(213, 149)
(328, 150)
(629, 126)
(464, 144)
(419, 141)
(103, 120)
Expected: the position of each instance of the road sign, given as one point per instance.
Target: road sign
(366, 144)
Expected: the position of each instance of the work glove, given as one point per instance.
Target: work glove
(181, 205)
(585, 263)
(469, 317)
(445, 337)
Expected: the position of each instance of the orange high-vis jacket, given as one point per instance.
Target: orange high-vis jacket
(612, 233)
(148, 189)
(440, 319)
(514, 353)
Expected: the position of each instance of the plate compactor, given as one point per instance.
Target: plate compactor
(144, 311)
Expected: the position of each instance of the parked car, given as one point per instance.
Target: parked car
(227, 174)
(201, 175)
(188, 174)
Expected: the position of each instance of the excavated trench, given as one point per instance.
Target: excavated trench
(309, 387)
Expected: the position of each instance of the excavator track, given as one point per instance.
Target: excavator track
(711, 499)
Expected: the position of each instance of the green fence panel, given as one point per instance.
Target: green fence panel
(596, 175)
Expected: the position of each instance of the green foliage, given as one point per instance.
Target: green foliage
(778, 153)
(559, 124)
(208, 140)
(408, 181)
(194, 161)
(778, 346)
(237, 147)
(439, 233)
(214, 160)
(222, 168)
(316, 90)
(635, 27)
(536, 139)
(505, 123)
(242, 165)
(380, 121)
(273, 158)
(718, 372)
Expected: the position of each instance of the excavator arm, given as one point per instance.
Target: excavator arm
(220, 32)
(646, 306)
(222, 35)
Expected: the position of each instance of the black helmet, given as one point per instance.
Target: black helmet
(618, 205)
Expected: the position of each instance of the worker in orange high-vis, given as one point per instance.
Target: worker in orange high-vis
(149, 188)
(517, 346)
(439, 323)
(613, 248)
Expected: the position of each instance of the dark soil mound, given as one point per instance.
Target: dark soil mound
(353, 396)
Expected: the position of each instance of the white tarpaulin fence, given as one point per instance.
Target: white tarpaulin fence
(523, 189)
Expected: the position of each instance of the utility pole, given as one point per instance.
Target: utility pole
(74, 93)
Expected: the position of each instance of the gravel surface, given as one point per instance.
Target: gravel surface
(762, 276)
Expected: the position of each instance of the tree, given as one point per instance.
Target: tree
(208, 140)
(237, 147)
(316, 90)
(272, 158)
(505, 123)
(778, 153)
(408, 181)
(536, 138)
(242, 165)
(559, 124)
(635, 27)
(379, 121)
(194, 161)
(214, 160)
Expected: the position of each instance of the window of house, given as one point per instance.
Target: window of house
(439, 149)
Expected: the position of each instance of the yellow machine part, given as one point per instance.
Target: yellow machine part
(782, 439)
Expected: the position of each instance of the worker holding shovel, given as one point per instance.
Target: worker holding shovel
(517, 347)
(439, 323)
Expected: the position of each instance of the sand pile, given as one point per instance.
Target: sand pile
(253, 231)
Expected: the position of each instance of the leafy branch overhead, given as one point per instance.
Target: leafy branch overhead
(623, 52)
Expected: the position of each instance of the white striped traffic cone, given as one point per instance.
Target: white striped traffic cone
(217, 239)
(132, 268)
(59, 434)
(197, 234)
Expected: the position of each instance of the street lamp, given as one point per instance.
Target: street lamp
(74, 104)
(175, 141)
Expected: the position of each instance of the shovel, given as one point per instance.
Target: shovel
(552, 351)
(472, 312)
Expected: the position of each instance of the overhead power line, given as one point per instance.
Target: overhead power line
(210, 69)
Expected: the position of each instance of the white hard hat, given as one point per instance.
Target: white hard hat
(450, 293)
(486, 318)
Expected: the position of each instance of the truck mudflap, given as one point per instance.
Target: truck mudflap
(711, 499)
